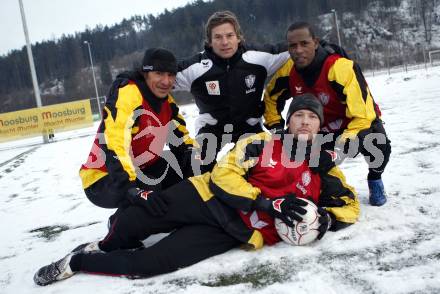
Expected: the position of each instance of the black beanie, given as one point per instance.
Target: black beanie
(306, 101)
(159, 59)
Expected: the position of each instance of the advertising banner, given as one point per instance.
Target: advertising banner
(51, 119)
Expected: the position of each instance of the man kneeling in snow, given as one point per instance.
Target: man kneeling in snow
(210, 214)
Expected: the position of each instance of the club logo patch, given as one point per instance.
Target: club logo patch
(298, 89)
(335, 125)
(250, 81)
(213, 87)
(324, 97)
(306, 178)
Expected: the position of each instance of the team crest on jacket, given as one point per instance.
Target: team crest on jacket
(298, 89)
(306, 178)
(250, 80)
(335, 125)
(213, 87)
(324, 97)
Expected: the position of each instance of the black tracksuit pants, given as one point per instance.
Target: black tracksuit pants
(194, 236)
(377, 127)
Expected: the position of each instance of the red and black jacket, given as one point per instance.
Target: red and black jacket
(133, 132)
(265, 166)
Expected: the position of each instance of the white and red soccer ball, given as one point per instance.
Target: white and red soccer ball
(303, 232)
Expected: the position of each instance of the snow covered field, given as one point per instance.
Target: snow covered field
(392, 249)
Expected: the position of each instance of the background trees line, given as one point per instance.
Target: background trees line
(371, 31)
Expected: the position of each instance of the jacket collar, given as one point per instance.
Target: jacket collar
(137, 77)
(224, 62)
(311, 72)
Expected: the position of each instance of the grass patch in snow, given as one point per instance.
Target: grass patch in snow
(50, 232)
(258, 276)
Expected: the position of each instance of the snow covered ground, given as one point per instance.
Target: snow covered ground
(392, 249)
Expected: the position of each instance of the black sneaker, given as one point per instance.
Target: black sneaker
(92, 247)
(53, 272)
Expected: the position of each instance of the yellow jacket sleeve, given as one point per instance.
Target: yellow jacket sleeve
(333, 185)
(228, 178)
(118, 123)
(346, 77)
(275, 96)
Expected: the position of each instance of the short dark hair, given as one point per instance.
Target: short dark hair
(219, 18)
(302, 25)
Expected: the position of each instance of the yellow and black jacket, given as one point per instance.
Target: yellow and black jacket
(338, 83)
(135, 127)
(261, 166)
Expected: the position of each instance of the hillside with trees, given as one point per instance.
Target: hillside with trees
(376, 33)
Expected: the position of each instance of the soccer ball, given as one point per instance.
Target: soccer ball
(303, 232)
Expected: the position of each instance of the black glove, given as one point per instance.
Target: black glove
(285, 207)
(150, 200)
(325, 220)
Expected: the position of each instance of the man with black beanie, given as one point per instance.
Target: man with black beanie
(306, 101)
(127, 164)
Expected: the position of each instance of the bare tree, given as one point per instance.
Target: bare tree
(426, 10)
